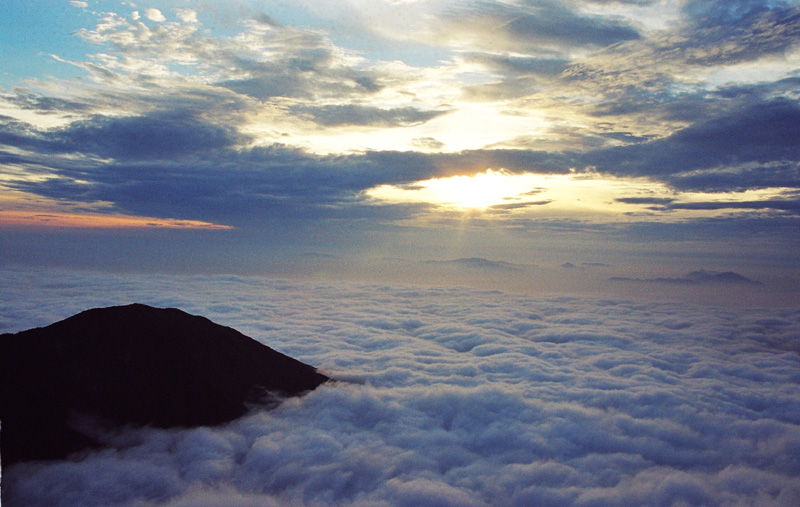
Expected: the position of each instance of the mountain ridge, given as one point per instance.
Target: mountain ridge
(133, 364)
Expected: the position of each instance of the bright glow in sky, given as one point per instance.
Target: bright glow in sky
(477, 191)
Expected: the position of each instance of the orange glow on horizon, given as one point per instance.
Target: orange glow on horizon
(12, 218)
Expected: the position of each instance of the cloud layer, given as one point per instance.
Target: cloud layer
(453, 397)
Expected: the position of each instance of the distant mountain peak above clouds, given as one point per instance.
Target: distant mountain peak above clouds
(698, 277)
(478, 263)
(132, 364)
(717, 276)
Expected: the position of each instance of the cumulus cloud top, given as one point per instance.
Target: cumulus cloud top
(154, 15)
(456, 397)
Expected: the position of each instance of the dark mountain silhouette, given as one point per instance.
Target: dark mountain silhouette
(720, 277)
(478, 263)
(696, 278)
(132, 365)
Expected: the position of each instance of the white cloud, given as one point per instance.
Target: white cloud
(454, 396)
(154, 15)
(187, 15)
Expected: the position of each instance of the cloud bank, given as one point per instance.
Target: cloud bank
(453, 396)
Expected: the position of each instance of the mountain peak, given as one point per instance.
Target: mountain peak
(132, 364)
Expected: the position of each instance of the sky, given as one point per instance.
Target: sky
(633, 140)
(449, 396)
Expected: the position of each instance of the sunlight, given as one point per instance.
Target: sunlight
(478, 191)
(588, 196)
(481, 190)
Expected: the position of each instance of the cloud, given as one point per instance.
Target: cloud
(263, 61)
(643, 79)
(659, 201)
(27, 100)
(760, 133)
(154, 15)
(742, 30)
(469, 397)
(518, 205)
(792, 206)
(536, 26)
(343, 115)
(157, 135)
(521, 65)
(427, 143)
(187, 15)
(727, 13)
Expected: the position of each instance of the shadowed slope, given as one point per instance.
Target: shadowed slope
(132, 364)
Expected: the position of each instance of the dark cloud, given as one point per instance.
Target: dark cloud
(759, 133)
(637, 79)
(266, 19)
(549, 22)
(661, 201)
(718, 12)
(519, 205)
(770, 175)
(536, 23)
(26, 99)
(782, 205)
(295, 82)
(732, 35)
(521, 65)
(157, 135)
(21, 135)
(351, 114)
(301, 65)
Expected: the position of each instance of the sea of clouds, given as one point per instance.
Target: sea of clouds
(451, 396)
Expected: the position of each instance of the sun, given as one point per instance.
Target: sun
(477, 191)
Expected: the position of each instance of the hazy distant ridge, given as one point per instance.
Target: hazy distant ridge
(478, 263)
(696, 278)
